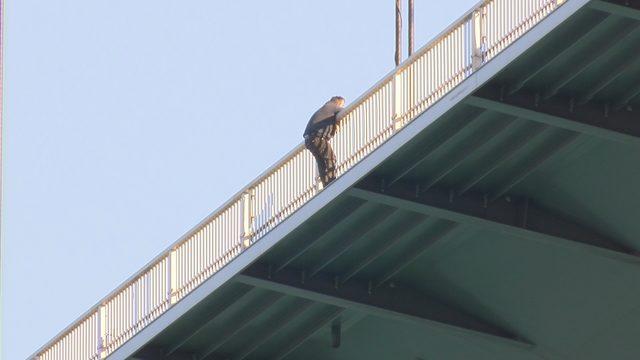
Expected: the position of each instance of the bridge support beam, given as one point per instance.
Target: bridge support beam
(590, 119)
(157, 353)
(391, 302)
(517, 216)
(618, 8)
(308, 331)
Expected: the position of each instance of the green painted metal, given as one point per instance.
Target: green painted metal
(615, 9)
(552, 120)
(398, 303)
(306, 333)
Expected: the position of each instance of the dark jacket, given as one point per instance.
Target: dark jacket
(323, 121)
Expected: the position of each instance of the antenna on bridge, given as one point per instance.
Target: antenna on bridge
(410, 47)
(398, 54)
(398, 32)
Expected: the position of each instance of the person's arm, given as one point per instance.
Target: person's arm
(335, 114)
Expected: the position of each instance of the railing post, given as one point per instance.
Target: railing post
(397, 101)
(134, 321)
(247, 218)
(102, 332)
(479, 37)
(172, 277)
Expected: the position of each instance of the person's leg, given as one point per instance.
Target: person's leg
(330, 163)
(314, 145)
(327, 160)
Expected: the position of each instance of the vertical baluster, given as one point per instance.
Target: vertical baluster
(172, 276)
(396, 101)
(247, 218)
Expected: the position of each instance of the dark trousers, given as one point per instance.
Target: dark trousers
(326, 159)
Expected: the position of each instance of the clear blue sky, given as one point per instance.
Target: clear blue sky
(127, 122)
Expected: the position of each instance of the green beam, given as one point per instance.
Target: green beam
(548, 152)
(441, 229)
(620, 70)
(212, 315)
(396, 303)
(534, 114)
(615, 9)
(351, 238)
(490, 133)
(473, 210)
(584, 61)
(576, 40)
(628, 96)
(511, 148)
(403, 233)
(254, 310)
(158, 353)
(304, 334)
(447, 137)
(287, 317)
(340, 221)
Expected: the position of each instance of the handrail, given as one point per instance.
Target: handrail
(399, 97)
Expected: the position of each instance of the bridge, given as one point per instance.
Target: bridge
(486, 208)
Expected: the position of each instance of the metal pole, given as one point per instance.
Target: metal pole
(411, 31)
(398, 32)
(2, 17)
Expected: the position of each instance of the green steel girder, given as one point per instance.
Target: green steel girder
(304, 334)
(403, 233)
(589, 119)
(246, 318)
(390, 302)
(614, 74)
(443, 229)
(253, 344)
(576, 39)
(509, 150)
(206, 320)
(472, 145)
(447, 137)
(584, 62)
(520, 174)
(512, 215)
(351, 238)
(338, 219)
(625, 8)
(158, 353)
(629, 95)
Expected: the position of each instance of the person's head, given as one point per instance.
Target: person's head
(338, 100)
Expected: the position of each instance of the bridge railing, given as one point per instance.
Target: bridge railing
(389, 105)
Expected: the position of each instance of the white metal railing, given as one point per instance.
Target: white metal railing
(389, 105)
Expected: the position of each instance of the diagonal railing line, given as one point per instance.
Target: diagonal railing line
(403, 94)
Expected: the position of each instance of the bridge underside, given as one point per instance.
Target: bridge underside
(507, 229)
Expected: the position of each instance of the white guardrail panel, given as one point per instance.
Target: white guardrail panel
(389, 105)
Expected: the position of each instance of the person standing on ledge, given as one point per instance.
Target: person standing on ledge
(320, 129)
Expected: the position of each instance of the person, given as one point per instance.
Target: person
(321, 128)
